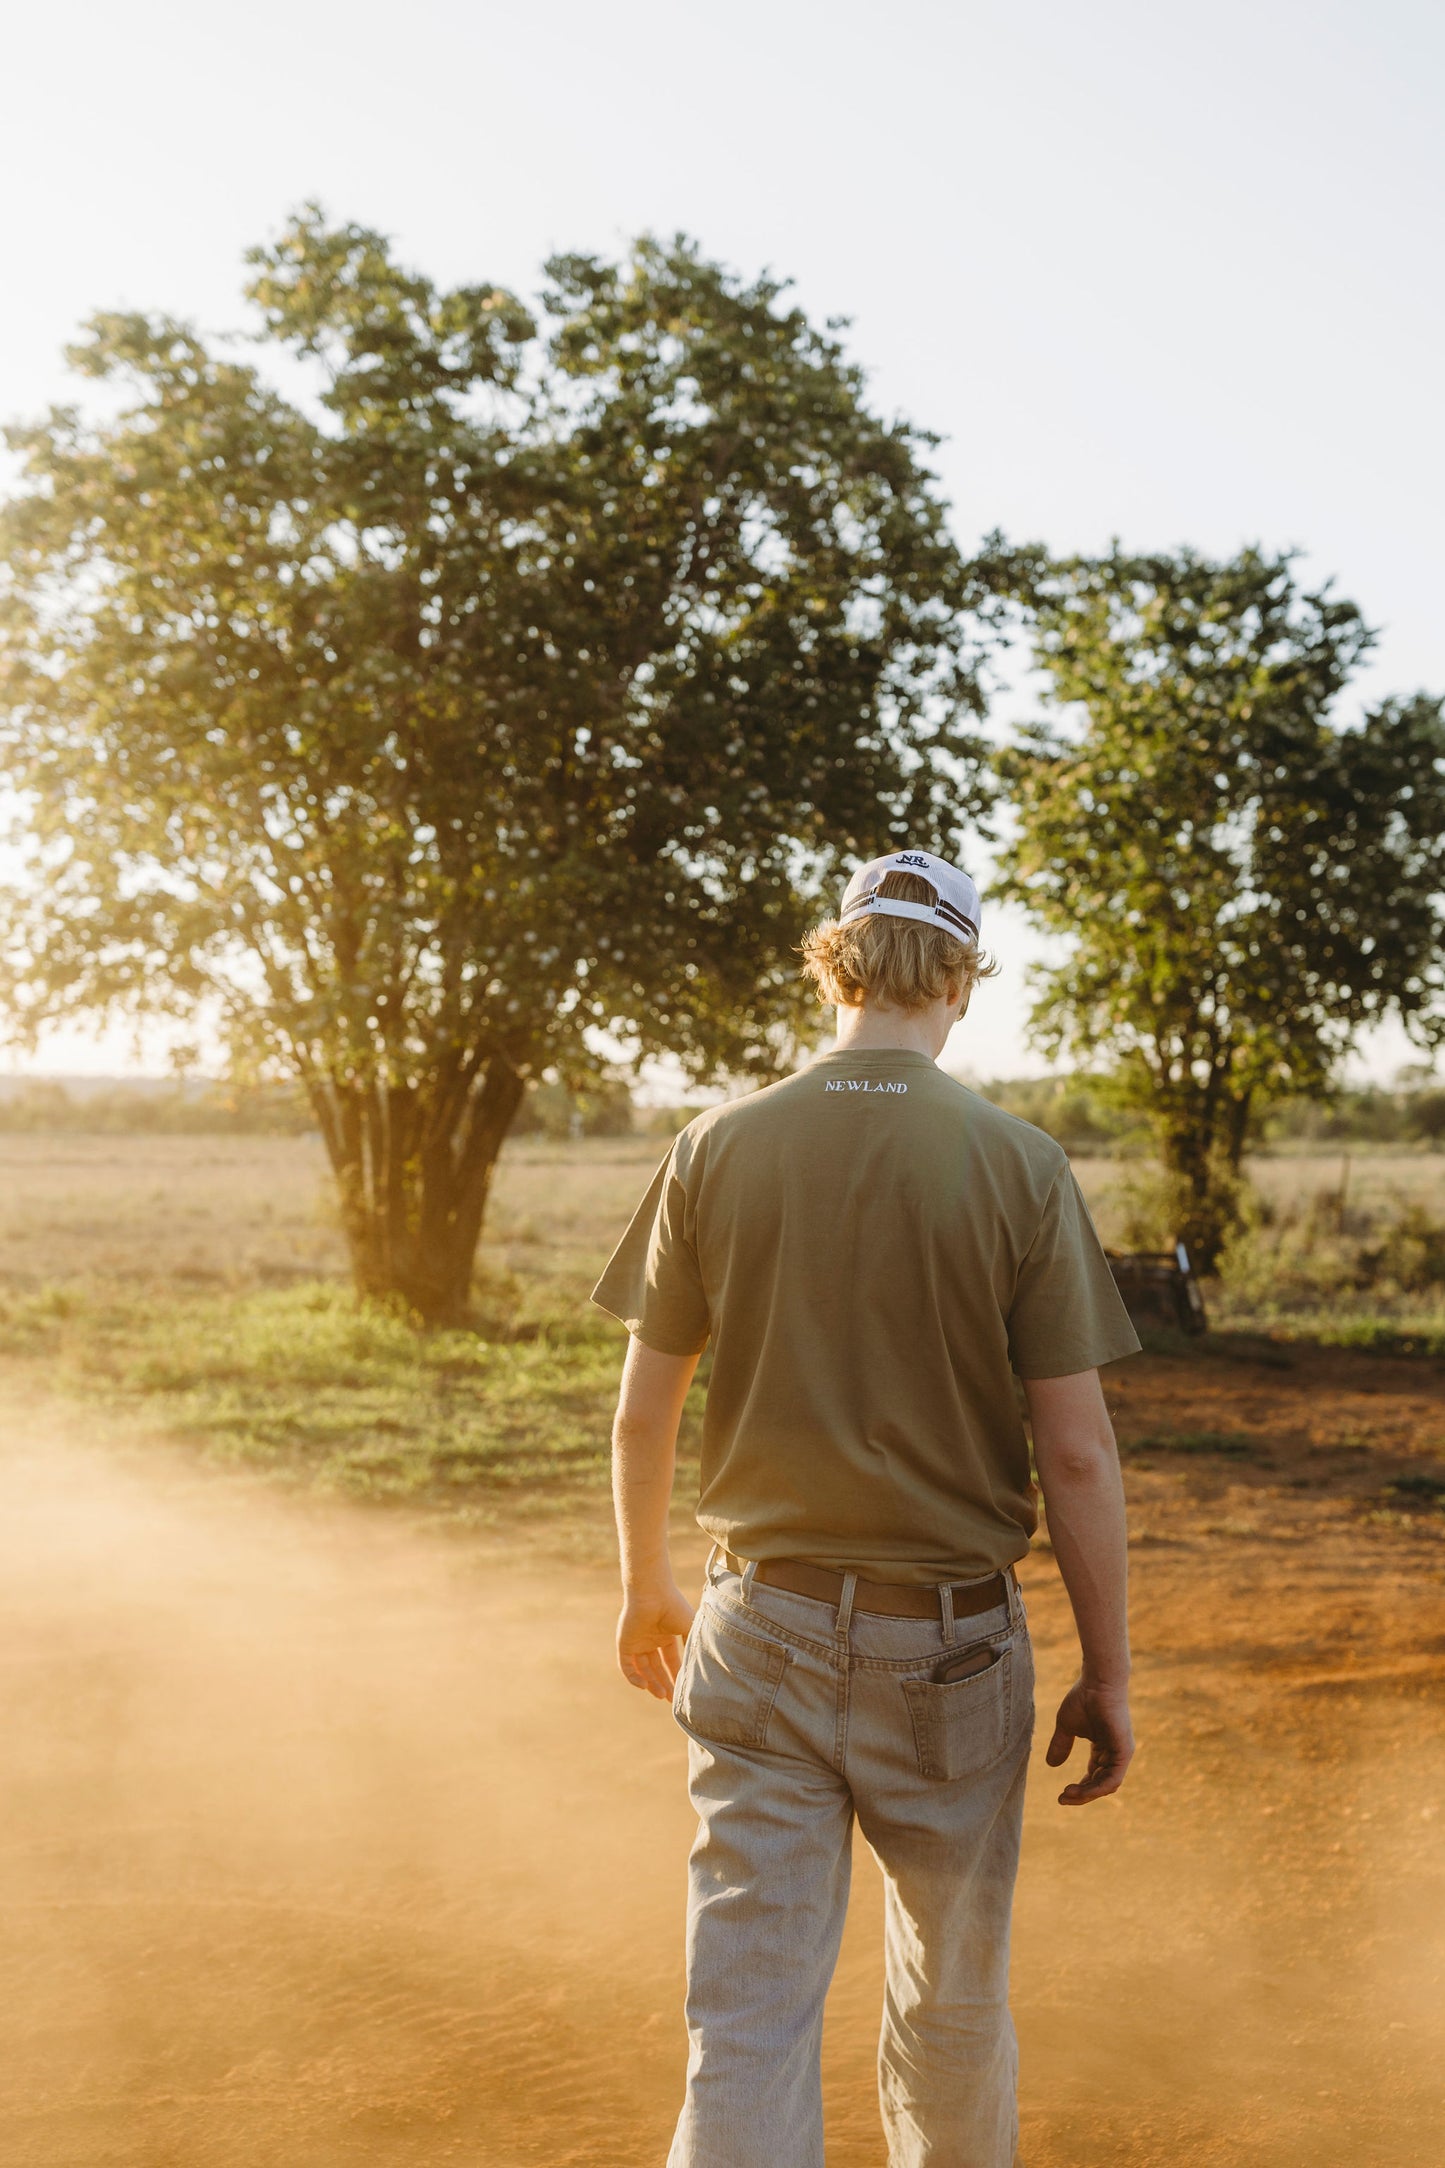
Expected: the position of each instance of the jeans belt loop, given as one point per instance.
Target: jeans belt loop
(749, 1575)
(845, 1606)
(945, 1605)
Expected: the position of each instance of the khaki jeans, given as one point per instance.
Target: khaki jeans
(799, 1718)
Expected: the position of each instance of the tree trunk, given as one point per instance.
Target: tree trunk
(1202, 1153)
(413, 1165)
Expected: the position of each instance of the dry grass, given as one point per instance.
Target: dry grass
(201, 1282)
(247, 1212)
(1376, 1183)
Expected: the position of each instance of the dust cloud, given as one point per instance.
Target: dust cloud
(329, 1840)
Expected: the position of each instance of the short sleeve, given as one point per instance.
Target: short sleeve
(652, 1281)
(1067, 1314)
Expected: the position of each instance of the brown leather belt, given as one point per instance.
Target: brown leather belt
(894, 1599)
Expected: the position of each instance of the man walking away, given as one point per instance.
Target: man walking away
(873, 1251)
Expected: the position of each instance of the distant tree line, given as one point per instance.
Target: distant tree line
(202, 1108)
(1088, 1115)
(1083, 1112)
(146, 1109)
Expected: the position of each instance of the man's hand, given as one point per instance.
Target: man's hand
(653, 1623)
(1099, 1714)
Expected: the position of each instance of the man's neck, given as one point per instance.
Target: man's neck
(870, 1029)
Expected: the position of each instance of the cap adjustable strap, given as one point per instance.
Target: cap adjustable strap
(928, 914)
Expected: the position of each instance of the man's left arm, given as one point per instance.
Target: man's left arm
(655, 1613)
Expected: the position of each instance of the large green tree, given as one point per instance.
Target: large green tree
(508, 676)
(1240, 883)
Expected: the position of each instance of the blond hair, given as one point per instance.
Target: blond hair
(898, 962)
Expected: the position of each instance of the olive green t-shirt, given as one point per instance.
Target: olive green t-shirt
(873, 1250)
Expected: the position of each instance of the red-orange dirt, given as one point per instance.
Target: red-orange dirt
(330, 1840)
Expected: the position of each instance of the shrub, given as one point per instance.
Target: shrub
(1411, 1256)
(1319, 1253)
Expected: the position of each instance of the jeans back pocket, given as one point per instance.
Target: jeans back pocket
(963, 1726)
(728, 1682)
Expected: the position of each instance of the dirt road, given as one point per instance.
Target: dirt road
(329, 1841)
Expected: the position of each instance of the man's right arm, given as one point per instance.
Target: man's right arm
(1078, 1464)
(655, 1613)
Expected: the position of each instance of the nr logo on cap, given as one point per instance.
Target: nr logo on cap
(909, 858)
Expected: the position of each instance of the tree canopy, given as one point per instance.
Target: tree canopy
(512, 675)
(1242, 883)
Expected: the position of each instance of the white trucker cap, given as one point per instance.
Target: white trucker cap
(956, 911)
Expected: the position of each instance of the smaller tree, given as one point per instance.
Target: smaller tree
(1242, 884)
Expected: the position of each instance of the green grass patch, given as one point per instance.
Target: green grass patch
(1382, 1335)
(1379, 1328)
(310, 1384)
(1368, 1331)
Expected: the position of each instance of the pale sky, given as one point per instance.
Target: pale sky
(1166, 272)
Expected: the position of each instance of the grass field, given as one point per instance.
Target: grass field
(238, 1213)
(202, 1281)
